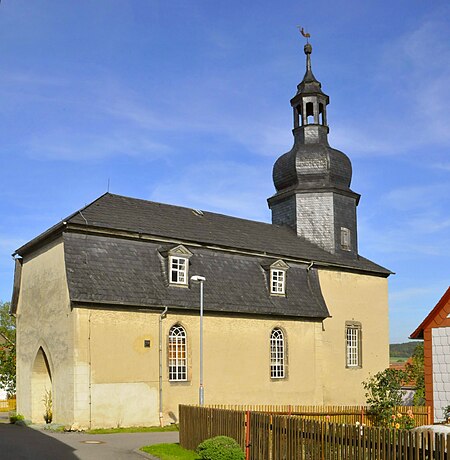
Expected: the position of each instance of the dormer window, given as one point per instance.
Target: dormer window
(277, 282)
(178, 270)
(179, 265)
(278, 278)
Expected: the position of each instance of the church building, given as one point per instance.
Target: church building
(107, 301)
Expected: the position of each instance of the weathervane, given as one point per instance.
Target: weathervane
(305, 34)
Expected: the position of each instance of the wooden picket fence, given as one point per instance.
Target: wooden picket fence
(349, 415)
(266, 436)
(7, 405)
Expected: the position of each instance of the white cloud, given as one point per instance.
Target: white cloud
(410, 293)
(224, 187)
(444, 166)
(416, 197)
(69, 146)
(406, 103)
(8, 244)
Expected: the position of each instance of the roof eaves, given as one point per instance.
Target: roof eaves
(51, 232)
(81, 303)
(48, 235)
(418, 333)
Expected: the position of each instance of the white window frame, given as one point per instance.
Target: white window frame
(277, 354)
(177, 354)
(353, 345)
(179, 269)
(277, 281)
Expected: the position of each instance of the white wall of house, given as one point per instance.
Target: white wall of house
(440, 339)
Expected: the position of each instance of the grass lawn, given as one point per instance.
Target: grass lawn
(170, 452)
(133, 429)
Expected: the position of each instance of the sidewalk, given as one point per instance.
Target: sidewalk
(23, 443)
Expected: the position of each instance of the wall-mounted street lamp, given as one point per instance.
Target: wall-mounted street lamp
(201, 390)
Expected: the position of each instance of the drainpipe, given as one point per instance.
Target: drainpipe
(161, 317)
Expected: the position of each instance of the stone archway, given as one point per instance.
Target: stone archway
(41, 382)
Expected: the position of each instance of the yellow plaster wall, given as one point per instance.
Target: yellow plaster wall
(237, 362)
(44, 320)
(353, 297)
(124, 375)
(116, 377)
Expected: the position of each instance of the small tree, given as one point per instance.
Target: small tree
(384, 393)
(7, 350)
(416, 373)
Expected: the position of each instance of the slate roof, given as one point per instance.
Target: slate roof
(233, 254)
(115, 271)
(118, 212)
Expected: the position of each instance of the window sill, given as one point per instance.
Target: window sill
(180, 383)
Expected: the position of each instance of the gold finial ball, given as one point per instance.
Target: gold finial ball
(308, 48)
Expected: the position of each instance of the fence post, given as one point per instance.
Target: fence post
(247, 435)
(362, 415)
(270, 437)
(429, 421)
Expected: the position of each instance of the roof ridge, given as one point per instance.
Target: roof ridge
(193, 209)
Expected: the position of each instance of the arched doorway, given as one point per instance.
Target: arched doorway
(41, 383)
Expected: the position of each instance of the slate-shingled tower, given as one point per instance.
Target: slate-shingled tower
(313, 180)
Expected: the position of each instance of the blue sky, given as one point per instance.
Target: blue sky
(188, 103)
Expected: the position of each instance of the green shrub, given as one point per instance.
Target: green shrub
(383, 394)
(220, 448)
(13, 418)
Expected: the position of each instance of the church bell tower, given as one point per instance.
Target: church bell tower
(312, 180)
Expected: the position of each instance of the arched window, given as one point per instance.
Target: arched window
(177, 354)
(309, 113)
(277, 354)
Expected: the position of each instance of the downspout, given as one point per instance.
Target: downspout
(161, 317)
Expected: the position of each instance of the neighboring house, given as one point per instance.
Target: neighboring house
(108, 318)
(409, 386)
(435, 333)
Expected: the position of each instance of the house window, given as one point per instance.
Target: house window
(178, 264)
(345, 239)
(177, 354)
(277, 351)
(178, 270)
(277, 281)
(353, 344)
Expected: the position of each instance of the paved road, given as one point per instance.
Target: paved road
(21, 443)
